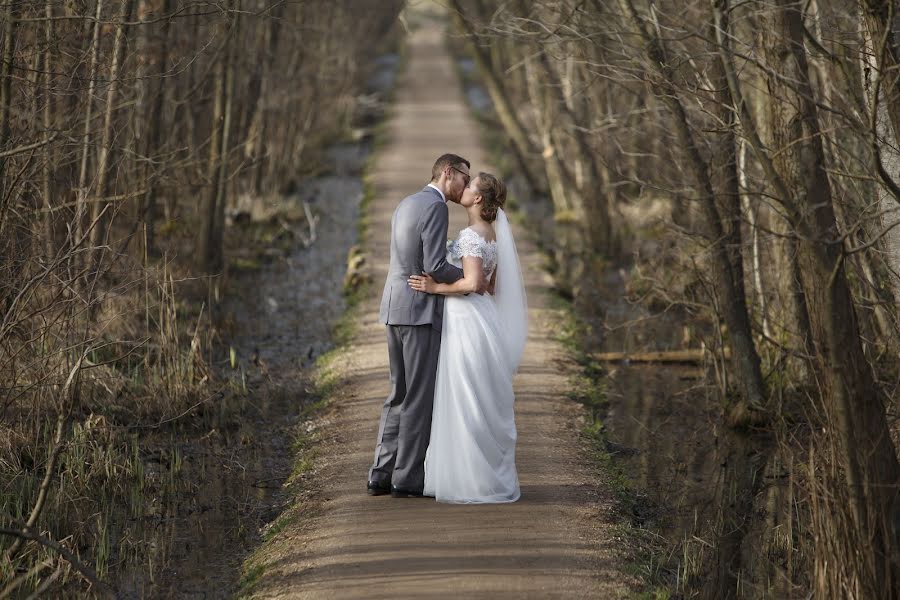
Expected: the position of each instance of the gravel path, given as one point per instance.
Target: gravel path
(559, 540)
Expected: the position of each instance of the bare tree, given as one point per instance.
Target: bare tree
(10, 22)
(851, 399)
(104, 165)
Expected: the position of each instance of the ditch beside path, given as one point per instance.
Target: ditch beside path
(559, 540)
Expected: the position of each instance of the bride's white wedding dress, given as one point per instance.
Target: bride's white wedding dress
(471, 455)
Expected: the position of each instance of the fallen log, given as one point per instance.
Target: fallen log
(689, 355)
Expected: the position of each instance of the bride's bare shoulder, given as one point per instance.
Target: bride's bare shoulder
(484, 230)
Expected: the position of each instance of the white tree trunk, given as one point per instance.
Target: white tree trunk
(890, 158)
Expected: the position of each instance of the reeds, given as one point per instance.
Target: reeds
(81, 455)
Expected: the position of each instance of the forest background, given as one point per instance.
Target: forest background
(721, 177)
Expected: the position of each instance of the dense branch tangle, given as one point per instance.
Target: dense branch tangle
(769, 130)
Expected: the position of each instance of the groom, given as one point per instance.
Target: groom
(413, 319)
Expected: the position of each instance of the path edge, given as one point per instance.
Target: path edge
(329, 378)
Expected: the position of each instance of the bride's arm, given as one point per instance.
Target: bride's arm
(470, 282)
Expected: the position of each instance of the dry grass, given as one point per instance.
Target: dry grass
(128, 362)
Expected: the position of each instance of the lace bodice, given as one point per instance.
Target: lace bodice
(470, 243)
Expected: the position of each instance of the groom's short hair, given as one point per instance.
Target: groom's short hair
(444, 161)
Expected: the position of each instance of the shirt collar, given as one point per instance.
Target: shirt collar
(431, 185)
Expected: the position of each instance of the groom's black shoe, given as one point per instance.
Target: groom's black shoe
(376, 488)
(402, 493)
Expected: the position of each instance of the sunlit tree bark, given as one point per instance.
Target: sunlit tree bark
(522, 147)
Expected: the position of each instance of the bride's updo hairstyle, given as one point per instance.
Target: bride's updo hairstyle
(493, 196)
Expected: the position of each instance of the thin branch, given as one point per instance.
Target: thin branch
(50, 469)
(88, 573)
(26, 148)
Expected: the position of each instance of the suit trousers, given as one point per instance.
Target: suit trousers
(405, 427)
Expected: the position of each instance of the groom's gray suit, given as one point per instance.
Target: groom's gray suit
(413, 319)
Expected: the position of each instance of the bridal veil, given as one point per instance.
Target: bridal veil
(509, 293)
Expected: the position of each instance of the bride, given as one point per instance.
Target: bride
(471, 455)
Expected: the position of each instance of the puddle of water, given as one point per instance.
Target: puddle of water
(285, 315)
(661, 431)
(385, 76)
(200, 534)
(478, 99)
(660, 418)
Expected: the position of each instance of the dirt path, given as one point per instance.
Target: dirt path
(558, 541)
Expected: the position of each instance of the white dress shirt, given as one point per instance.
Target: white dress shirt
(444, 198)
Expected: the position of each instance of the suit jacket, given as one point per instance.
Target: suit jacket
(418, 244)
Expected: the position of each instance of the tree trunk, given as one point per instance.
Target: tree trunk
(881, 23)
(740, 481)
(270, 35)
(154, 136)
(521, 146)
(82, 191)
(254, 132)
(105, 153)
(227, 129)
(568, 211)
(742, 452)
(47, 117)
(10, 24)
(751, 213)
(209, 251)
(853, 405)
(728, 282)
(886, 64)
(594, 187)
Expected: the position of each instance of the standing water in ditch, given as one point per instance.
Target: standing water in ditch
(277, 316)
(659, 420)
